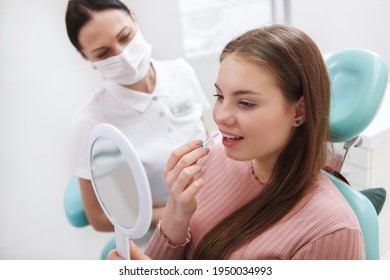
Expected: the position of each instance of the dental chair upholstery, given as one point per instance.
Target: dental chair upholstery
(358, 83)
(75, 213)
(73, 203)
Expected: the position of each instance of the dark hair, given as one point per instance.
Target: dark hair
(299, 68)
(79, 12)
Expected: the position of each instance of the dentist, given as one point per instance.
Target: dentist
(158, 105)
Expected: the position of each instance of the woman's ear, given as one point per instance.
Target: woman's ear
(300, 112)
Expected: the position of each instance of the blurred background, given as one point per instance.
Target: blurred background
(43, 80)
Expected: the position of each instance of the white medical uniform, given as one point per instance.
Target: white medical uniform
(155, 123)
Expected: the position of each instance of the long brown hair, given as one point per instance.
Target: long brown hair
(297, 63)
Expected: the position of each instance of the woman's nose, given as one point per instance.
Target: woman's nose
(118, 49)
(223, 115)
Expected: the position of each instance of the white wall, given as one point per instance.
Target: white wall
(161, 26)
(340, 24)
(43, 80)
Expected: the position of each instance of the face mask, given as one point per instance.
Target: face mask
(131, 65)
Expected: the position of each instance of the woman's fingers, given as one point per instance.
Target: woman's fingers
(178, 153)
(185, 178)
(182, 177)
(135, 252)
(184, 157)
(187, 198)
(113, 255)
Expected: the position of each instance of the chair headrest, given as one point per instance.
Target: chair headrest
(358, 83)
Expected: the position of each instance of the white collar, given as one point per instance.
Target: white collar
(135, 99)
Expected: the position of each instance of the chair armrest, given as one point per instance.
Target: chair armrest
(73, 204)
(366, 214)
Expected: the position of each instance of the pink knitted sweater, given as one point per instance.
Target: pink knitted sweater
(321, 226)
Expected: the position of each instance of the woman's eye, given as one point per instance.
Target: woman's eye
(102, 54)
(246, 104)
(218, 96)
(126, 37)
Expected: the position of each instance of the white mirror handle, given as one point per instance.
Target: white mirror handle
(122, 244)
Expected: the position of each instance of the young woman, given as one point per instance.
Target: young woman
(261, 194)
(158, 105)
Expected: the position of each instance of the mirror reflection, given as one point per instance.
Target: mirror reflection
(114, 182)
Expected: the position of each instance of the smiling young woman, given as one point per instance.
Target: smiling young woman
(261, 194)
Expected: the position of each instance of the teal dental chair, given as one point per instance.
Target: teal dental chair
(358, 83)
(75, 213)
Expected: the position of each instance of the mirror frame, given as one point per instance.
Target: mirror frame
(143, 221)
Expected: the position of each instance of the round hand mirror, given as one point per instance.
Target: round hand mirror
(120, 184)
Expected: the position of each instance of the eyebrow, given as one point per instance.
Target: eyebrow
(240, 92)
(117, 36)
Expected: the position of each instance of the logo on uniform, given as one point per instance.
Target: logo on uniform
(182, 108)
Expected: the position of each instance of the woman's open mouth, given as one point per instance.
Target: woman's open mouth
(230, 140)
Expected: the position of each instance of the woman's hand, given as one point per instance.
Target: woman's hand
(135, 253)
(182, 177)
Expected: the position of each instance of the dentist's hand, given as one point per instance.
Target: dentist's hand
(181, 174)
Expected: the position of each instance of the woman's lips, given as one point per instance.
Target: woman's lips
(231, 140)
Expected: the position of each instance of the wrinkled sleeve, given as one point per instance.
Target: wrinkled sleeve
(344, 244)
(81, 127)
(159, 247)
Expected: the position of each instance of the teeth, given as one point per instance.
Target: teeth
(231, 138)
